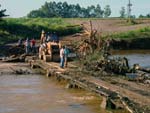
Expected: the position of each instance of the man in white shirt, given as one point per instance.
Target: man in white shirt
(62, 57)
(27, 45)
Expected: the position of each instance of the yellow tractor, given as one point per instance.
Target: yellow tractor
(49, 51)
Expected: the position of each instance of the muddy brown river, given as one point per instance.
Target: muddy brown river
(37, 94)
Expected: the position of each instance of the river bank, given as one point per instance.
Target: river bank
(130, 44)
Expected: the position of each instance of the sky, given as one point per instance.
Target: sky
(20, 8)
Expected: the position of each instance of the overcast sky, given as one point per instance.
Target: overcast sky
(20, 8)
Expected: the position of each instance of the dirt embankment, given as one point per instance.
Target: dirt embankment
(139, 43)
(12, 49)
(111, 26)
(108, 26)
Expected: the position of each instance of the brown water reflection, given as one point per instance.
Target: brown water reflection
(36, 94)
(141, 57)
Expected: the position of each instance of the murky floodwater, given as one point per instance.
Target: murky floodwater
(36, 94)
(141, 57)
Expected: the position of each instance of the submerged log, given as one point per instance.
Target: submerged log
(19, 71)
(14, 58)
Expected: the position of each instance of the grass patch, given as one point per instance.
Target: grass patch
(95, 56)
(134, 34)
(11, 29)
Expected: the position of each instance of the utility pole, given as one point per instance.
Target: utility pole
(129, 9)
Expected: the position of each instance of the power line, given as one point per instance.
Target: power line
(129, 9)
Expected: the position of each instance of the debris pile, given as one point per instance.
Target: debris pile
(103, 64)
(119, 66)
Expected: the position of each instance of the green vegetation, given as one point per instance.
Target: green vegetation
(122, 12)
(95, 56)
(2, 13)
(107, 11)
(65, 10)
(134, 34)
(12, 29)
(146, 16)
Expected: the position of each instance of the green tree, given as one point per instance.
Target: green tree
(49, 9)
(107, 11)
(98, 11)
(78, 10)
(35, 14)
(141, 16)
(2, 13)
(91, 10)
(65, 10)
(84, 13)
(59, 8)
(148, 15)
(122, 12)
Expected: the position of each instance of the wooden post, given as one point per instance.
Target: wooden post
(48, 74)
(104, 102)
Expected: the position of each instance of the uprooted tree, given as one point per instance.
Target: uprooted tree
(91, 42)
(94, 49)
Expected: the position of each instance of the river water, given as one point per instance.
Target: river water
(36, 94)
(141, 57)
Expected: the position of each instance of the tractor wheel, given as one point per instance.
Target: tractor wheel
(47, 58)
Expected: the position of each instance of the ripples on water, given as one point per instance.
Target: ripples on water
(36, 94)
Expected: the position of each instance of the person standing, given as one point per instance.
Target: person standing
(43, 37)
(27, 45)
(20, 42)
(48, 37)
(66, 53)
(62, 57)
(33, 48)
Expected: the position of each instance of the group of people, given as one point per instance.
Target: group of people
(29, 45)
(64, 52)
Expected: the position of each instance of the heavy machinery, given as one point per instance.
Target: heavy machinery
(49, 51)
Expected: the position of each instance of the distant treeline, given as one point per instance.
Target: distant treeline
(147, 16)
(65, 10)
